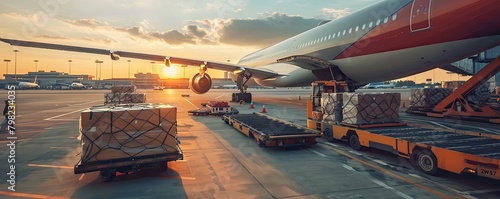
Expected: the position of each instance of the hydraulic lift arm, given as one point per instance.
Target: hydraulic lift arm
(456, 104)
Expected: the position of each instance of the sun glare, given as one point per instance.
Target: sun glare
(170, 72)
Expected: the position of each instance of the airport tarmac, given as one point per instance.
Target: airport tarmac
(219, 161)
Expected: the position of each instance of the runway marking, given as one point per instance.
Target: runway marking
(51, 118)
(334, 145)
(316, 152)
(441, 125)
(392, 174)
(415, 175)
(50, 166)
(488, 130)
(349, 168)
(190, 103)
(29, 195)
(380, 162)
(220, 96)
(390, 188)
(81, 177)
(356, 153)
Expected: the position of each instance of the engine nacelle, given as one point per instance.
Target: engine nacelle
(114, 56)
(200, 84)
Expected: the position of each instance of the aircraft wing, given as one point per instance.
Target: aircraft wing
(256, 72)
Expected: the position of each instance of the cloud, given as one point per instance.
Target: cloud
(100, 40)
(195, 31)
(269, 28)
(89, 23)
(50, 37)
(333, 13)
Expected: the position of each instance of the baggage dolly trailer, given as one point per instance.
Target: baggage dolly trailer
(271, 132)
(108, 168)
(428, 149)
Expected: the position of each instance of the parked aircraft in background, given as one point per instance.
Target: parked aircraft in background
(388, 40)
(377, 85)
(28, 85)
(231, 86)
(76, 85)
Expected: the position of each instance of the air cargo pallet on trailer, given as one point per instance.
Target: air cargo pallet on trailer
(427, 148)
(271, 132)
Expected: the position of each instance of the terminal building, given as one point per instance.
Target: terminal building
(61, 80)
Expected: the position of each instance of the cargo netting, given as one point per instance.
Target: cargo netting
(123, 89)
(124, 98)
(127, 131)
(428, 97)
(371, 108)
(331, 104)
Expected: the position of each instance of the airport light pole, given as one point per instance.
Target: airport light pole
(69, 61)
(15, 64)
(36, 65)
(112, 71)
(7, 67)
(128, 68)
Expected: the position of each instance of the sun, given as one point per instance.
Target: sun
(170, 72)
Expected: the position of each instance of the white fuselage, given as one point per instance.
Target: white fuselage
(380, 44)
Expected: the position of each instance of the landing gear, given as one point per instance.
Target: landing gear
(242, 79)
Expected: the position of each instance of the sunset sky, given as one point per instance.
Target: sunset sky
(216, 30)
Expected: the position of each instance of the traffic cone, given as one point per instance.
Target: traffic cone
(263, 109)
(251, 105)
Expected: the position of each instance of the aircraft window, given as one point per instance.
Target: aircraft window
(333, 36)
(371, 24)
(338, 34)
(344, 32)
(325, 38)
(321, 40)
(363, 27)
(329, 37)
(386, 19)
(350, 30)
(357, 28)
(378, 22)
(394, 17)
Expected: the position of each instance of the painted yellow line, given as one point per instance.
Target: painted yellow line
(29, 195)
(393, 174)
(50, 166)
(81, 177)
(190, 103)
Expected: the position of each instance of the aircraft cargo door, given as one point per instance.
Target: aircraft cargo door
(420, 18)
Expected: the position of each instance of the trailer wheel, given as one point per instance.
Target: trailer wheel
(427, 162)
(163, 166)
(354, 142)
(107, 175)
(328, 134)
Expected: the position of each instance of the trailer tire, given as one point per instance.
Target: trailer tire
(426, 162)
(328, 134)
(163, 166)
(107, 175)
(354, 142)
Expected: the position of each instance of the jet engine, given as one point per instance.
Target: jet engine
(200, 84)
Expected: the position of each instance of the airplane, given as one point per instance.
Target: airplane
(76, 85)
(388, 40)
(230, 86)
(28, 85)
(377, 85)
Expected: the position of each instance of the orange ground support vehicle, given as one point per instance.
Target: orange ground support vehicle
(428, 149)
